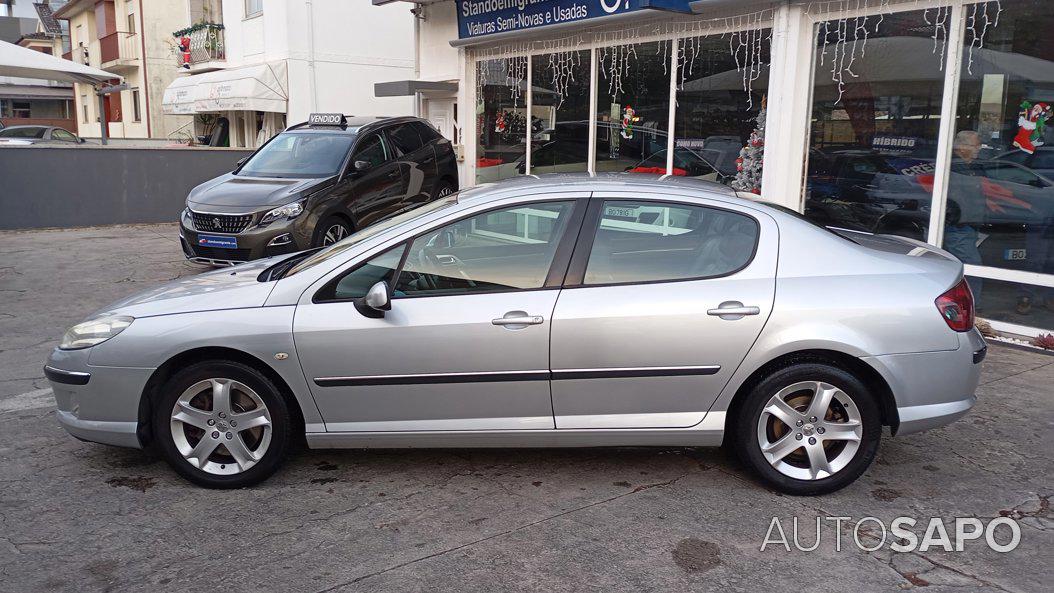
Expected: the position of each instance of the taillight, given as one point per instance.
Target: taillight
(956, 307)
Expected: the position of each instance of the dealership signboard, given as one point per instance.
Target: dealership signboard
(479, 18)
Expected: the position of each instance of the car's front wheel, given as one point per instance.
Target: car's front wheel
(332, 229)
(809, 429)
(222, 424)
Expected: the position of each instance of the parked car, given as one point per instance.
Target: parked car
(27, 135)
(560, 311)
(1041, 161)
(314, 184)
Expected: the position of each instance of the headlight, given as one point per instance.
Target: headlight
(288, 211)
(94, 331)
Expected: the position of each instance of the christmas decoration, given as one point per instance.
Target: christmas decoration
(184, 51)
(627, 122)
(1031, 122)
(499, 122)
(749, 164)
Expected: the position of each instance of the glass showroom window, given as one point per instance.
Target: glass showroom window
(501, 118)
(720, 114)
(560, 112)
(633, 103)
(875, 116)
(1000, 209)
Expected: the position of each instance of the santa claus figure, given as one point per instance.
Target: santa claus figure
(499, 123)
(1031, 122)
(627, 122)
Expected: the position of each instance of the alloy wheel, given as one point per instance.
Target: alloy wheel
(444, 191)
(809, 430)
(333, 234)
(221, 426)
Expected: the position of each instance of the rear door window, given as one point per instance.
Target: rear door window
(405, 138)
(644, 241)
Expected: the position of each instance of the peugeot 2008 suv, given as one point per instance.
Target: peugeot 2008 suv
(314, 184)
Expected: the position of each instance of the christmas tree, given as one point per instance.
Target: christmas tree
(749, 163)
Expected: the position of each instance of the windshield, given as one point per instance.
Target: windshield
(300, 154)
(22, 133)
(356, 238)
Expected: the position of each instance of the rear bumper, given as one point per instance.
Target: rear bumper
(933, 389)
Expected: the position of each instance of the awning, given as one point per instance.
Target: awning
(249, 88)
(405, 88)
(32, 91)
(22, 62)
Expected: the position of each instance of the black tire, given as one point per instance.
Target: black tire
(275, 404)
(338, 225)
(443, 189)
(746, 429)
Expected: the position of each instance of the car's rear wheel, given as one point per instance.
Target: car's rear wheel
(443, 190)
(222, 424)
(809, 429)
(332, 229)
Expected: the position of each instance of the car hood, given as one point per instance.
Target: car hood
(228, 288)
(232, 190)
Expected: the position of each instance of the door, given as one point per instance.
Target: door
(373, 192)
(441, 113)
(663, 301)
(465, 345)
(417, 162)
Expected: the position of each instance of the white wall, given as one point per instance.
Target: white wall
(356, 45)
(439, 61)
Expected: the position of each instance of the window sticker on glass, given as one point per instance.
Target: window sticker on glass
(621, 212)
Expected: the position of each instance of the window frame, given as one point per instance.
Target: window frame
(554, 277)
(576, 272)
(360, 139)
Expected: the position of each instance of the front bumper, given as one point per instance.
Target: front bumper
(254, 242)
(96, 403)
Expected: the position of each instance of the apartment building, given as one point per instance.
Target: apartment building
(248, 68)
(132, 39)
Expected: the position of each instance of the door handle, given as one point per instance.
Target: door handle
(732, 310)
(518, 318)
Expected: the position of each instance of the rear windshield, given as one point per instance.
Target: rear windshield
(22, 133)
(300, 155)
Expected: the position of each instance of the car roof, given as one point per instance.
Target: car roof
(599, 182)
(355, 124)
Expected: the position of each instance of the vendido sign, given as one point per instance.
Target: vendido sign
(477, 18)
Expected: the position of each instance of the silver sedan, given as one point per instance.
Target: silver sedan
(567, 311)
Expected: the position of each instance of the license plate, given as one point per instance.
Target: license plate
(218, 241)
(1014, 254)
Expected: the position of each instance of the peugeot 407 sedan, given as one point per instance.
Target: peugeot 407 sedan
(570, 311)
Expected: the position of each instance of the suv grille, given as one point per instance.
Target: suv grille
(221, 223)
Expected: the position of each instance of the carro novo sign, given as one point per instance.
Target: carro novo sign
(478, 18)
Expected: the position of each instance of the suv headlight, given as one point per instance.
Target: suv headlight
(94, 331)
(288, 211)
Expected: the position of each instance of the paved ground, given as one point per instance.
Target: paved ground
(82, 517)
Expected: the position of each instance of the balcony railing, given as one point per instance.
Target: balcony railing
(206, 45)
(118, 45)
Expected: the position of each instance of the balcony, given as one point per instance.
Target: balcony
(119, 51)
(207, 48)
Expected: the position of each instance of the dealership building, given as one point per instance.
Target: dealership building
(926, 119)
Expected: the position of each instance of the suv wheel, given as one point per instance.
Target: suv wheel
(332, 229)
(808, 429)
(222, 424)
(443, 190)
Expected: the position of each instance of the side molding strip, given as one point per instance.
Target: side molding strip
(510, 376)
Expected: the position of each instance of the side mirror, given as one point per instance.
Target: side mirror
(376, 301)
(362, 165)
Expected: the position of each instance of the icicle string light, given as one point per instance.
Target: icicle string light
(979, 20)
